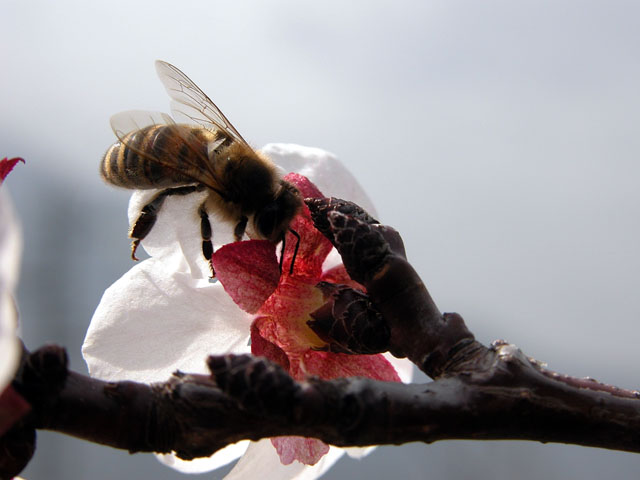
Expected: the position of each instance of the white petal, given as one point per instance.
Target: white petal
(9, 345)
(163, 314)
(10, 251)
(262, 461)
(403, 366)
(322, 168)
(10, 243)
(359, 452)
(153, 321)
(201, 465)
(175, 238)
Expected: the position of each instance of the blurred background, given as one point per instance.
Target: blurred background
(500, 138)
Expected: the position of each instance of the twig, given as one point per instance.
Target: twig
(479, 392)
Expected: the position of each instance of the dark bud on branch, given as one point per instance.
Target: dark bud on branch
(42, 374)
(258, 385)
(362, 241)
(348, 322)
(321, 207)
(373, 255)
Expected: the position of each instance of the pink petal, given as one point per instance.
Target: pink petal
(6, 165)
(312, 251)
(286, 314)
(304, 185)
(304, 450)
(12, 408)
(275, 341)
(261, 330)
(328, 365)
(314, 247)
(248, 271)
(262, 461)
(339, 275)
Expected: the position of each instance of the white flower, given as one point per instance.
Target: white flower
(10, 251)
(165, 315)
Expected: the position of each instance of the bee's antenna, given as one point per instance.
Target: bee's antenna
(295, 251)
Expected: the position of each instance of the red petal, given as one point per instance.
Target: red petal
(12, 408)
(262, 347)
(248, 271)
(328, 365)
(6, 165)
(313, 248)
(305, 450)
(304, 185)
(288, 312)
(339, 275)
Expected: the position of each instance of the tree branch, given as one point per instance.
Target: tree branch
(479, 392)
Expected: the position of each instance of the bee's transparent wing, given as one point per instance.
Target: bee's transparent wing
(199, 168)
(126, 122)
(189, 102)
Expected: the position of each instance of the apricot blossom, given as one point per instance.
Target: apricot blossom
(164, 314)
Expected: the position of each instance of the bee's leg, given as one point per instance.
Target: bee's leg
(206, 232)
(295, 250)
(238, 232)
(145, 222)
(149, 214)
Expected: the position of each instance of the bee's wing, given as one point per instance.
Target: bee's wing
(200, 171)
(126, 122)
(191, 102)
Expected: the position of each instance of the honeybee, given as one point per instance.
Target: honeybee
(206, 154)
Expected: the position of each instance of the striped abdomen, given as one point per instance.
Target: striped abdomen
(158, 156)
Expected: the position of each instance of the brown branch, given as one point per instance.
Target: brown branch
(505, 396)
(374, 256)
(479, 392)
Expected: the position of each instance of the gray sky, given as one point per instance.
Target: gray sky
(500, 138)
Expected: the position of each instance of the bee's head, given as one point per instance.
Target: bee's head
(273, 219)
